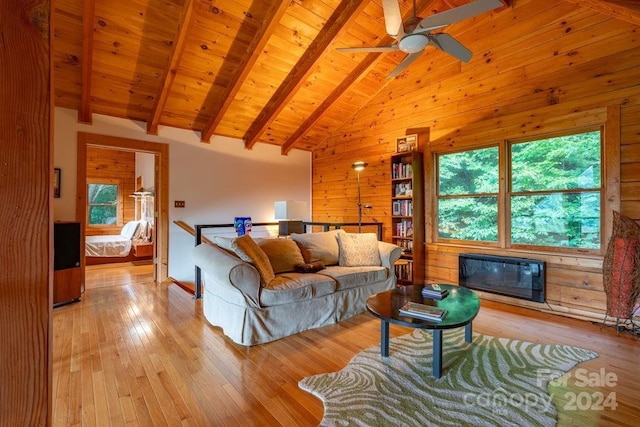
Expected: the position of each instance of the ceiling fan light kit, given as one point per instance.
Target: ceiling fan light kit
(413, 43)
(414, 34)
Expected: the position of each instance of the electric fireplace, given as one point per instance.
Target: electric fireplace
(515, 277)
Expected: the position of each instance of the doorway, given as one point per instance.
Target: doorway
(161, 154)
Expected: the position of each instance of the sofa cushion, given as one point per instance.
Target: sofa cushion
(289, 288)
(321, 247)
(353, 277)
(259, 259)
(284, 254)
(358, 250)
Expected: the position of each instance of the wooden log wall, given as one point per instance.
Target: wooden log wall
(560, 68)
(108, 164)
(26, 217)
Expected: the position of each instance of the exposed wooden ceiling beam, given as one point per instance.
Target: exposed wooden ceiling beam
(84, 114)
(270, 24)
(172, 67)
(624, 10)
(354, 76)
(341, 17)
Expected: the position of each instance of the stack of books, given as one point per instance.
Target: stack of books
(434, 292)
(422, 311)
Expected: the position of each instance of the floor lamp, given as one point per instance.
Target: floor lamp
(359, 167)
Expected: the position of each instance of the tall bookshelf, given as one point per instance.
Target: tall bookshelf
(407, 215)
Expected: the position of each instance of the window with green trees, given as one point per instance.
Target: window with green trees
(103, 204)
(552, 195)
(468, 195)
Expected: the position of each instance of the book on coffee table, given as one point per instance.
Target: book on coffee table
(434, 291)
(422, 311)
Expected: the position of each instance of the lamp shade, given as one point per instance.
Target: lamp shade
(359, 165)
(290, 209)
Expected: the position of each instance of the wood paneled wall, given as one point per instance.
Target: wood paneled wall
(26, 218)
(547, 66)
(107, 164)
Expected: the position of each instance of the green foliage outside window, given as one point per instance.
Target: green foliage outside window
(469, 183)
(564, 173)
(554, 200)
(103, 204)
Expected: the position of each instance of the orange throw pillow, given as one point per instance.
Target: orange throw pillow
(258, 257)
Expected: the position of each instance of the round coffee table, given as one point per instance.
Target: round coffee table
(462, 306)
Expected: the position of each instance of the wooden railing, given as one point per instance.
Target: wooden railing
(189, 229)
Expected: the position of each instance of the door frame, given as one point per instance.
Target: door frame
(161, 197)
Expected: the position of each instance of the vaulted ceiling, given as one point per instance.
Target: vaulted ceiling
(263, 71)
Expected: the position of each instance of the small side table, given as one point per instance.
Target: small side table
(144, 249)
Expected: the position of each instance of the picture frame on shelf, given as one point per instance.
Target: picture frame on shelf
(396, 208)
(407, 143)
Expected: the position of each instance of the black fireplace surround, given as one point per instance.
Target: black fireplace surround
(515, 277)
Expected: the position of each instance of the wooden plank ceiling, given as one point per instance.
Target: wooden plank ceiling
(264, 71)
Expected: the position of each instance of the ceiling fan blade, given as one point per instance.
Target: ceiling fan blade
(392, 17)
(450, 45)
(456, 14)
(392, 48)
(404, 64)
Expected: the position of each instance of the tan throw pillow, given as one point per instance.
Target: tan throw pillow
(284, 254)
(358, 250)
(259, 259)
(230, 244)
(321, 247)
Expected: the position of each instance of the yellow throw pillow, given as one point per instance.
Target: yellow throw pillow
(284, 254)
(259, 259)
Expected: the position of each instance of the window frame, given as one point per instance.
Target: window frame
(505, 194)
(439, 197)
(509, 193)
(119, 203)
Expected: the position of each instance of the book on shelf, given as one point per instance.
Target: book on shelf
(434, 291)
(402, 170)
(423, 311)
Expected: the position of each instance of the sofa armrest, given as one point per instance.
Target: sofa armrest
(224, 269)
(389, 253)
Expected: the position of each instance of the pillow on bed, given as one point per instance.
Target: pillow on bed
(129, 229)
(142, 231)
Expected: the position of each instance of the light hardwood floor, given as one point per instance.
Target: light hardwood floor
(133, 352)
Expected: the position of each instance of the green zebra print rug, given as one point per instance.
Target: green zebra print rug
(492, 381)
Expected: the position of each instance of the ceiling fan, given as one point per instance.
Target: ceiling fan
(415, 34)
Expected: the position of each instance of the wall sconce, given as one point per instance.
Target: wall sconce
(359, 167)
(290, 214)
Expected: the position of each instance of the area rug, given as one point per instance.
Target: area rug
(492, 381)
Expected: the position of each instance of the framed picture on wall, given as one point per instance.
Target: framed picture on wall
(407, 143)
(56, 183)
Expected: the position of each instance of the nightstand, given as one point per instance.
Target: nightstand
(143, 249)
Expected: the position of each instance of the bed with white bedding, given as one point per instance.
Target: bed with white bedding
(116, 245)
(107, 246)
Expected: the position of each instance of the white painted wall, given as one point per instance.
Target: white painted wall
(144, 168)
(218, 181)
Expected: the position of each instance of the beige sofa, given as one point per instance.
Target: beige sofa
(254, 293)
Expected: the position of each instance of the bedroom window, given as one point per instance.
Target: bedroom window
(103, 203)
(551, 198)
